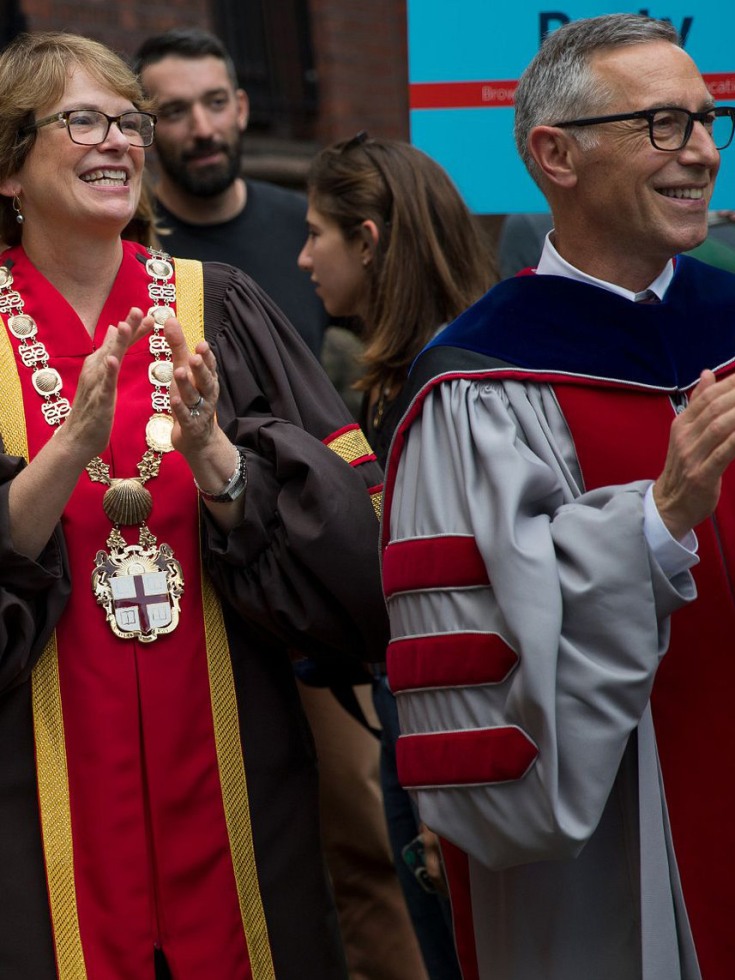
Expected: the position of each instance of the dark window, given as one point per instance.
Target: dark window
(270, 43)
(12, 21)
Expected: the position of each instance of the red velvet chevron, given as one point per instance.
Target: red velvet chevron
(445, 561)
(476, 755)
(449, 660)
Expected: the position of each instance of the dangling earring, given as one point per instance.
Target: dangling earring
(18, 213)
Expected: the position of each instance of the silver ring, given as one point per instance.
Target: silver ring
(194, 409)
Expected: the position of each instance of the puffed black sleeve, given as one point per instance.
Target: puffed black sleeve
(32, 593)
(303, 564)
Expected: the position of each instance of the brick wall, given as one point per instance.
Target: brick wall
(122, 25)
(359, 49)
(361, 62)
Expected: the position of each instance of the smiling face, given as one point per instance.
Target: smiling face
(337, 264)
(201, 119)
(64, 187)
(631, 207)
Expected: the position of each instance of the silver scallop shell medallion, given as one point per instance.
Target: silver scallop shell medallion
(158, 432)
(47, 381)
(21, 325)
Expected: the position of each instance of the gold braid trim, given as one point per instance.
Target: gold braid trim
(12, 416)
(349, 445)
(190, 299)
(376, 499)
(53, 792)
(190, 313)
(234, 786)
(48, 724)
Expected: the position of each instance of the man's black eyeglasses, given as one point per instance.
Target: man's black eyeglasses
(89, 127)
(670, 127)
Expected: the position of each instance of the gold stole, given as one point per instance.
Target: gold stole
(53, 782)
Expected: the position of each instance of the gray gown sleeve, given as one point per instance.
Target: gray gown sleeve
(571, 591)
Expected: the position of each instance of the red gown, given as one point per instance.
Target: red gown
(164, 847)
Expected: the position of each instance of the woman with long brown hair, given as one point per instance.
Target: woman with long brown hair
(392, 243)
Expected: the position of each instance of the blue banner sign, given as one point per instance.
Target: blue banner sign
(464, 61)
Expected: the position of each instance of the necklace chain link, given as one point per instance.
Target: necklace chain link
(48, 382)
(138, 585)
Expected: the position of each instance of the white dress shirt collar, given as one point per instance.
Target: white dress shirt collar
(552, 264)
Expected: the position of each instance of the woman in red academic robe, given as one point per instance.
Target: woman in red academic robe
(177, 514)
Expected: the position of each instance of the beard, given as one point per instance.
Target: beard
(202, 181)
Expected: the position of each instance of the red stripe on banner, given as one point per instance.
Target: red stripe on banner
(474, 756)
(449, 660)
(447, 561)
(461, 95)
(500, 94)
(721, 84)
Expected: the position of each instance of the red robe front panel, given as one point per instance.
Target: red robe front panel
(621, 436)
(152, 861)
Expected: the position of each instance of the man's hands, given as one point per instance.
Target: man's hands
(701, 447)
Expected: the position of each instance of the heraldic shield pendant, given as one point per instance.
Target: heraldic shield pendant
(139, 586)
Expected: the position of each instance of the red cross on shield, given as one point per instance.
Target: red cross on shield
(141, 602)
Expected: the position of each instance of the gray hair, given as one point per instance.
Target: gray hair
(560, 84)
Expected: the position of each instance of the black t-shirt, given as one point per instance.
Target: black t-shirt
(264, 240)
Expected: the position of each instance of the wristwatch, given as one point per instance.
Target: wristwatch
(234, 487)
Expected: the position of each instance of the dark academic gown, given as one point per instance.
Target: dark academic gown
(163, 794)
(574, 756)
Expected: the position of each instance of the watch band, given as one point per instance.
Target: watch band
(234, 487)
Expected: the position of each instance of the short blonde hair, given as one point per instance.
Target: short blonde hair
(34, 71)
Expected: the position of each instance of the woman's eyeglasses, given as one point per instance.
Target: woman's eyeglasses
(89, 127)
